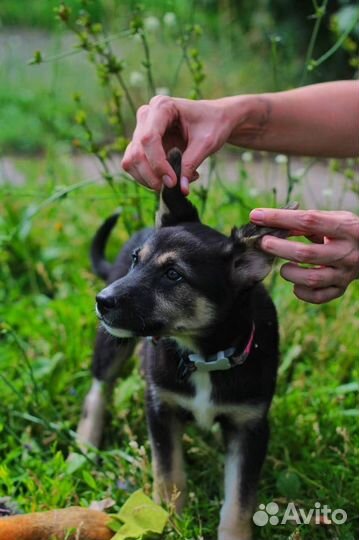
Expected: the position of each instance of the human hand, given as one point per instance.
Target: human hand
(197, 128)
(333, 258)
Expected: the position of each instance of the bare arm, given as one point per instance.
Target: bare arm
(317, 120)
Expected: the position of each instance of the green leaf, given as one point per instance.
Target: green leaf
(37, 58)
(351, 412)
(140, 517)
(292, 354)
(90, 481)
(288, 484)
(126, 389)
(347, 388)
(115, 525)
(76, 462)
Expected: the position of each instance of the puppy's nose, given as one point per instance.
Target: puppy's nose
(105, 302)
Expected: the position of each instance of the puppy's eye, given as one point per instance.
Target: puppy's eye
(135, 257)
(173, 275)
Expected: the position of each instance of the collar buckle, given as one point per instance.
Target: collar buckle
(221, 362)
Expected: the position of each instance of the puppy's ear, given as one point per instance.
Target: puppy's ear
(250, 263)
(175, 208)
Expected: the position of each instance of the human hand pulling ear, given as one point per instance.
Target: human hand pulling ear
(332, 258)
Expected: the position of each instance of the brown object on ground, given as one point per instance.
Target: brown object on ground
(55, 524)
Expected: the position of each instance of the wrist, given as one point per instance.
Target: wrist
(247, 117)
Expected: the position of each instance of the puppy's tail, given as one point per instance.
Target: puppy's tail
(100, 266)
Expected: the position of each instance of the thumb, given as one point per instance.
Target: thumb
(192, 157)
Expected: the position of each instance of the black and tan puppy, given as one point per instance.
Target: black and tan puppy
(214, 354)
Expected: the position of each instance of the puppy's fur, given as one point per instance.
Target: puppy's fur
(198, 291)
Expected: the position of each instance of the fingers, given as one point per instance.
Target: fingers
(197, 128)
(309, 222)
(145, 155)
(136, 164)
(151, 142)
(318, 296)
(331, 253)
(313, 278)
(337, 250)
(192, 157)
(184, 185)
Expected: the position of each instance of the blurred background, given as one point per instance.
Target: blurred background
(71, 78)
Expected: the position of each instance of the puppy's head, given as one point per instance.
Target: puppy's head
(186, 276)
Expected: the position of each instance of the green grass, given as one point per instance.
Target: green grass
(47, 332)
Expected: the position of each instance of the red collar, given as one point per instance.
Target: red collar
(221, 361)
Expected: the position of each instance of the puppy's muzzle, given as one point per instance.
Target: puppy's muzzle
(105, 303)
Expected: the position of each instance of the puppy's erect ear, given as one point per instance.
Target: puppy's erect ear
(175, 208)
(250, 263)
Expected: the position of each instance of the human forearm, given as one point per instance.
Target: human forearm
(318, 120)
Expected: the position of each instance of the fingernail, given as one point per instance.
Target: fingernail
(257, 216)
(184, 185)
(168, 181)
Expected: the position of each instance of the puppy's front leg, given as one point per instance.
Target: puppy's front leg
(109, 358)
(165, 430)
(246, 450)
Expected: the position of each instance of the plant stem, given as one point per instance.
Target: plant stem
(320, 12)
(79, 50)
(192, 72)
(148, 65)
(127, 93)
(274, 58)
(107, 56)
(291, 181)
(60, 194)
(338, 44)
(176, 75)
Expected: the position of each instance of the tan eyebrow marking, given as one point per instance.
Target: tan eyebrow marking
(166, 257)
(145, 251)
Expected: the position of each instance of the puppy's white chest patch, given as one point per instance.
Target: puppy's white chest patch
(202, 406)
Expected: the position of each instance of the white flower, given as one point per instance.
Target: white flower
(280, 159)
(137, 79)
(170, 19)
(247, 157)
(163, 91)
(151, 23)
